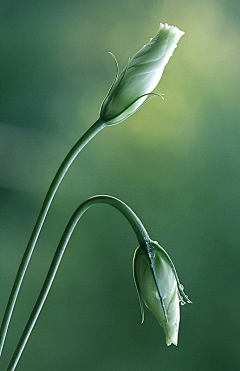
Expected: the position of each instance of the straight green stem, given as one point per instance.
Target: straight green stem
(141, 235)
(91, 132)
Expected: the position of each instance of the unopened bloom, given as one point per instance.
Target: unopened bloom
(141, 75)
(159, 288)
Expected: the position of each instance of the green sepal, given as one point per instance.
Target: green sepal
(114, 81)
(153, 95)
(184, 299)
(152, 261)
(137, 286)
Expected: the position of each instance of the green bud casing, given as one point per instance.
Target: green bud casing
(158, 286)
(141, 75)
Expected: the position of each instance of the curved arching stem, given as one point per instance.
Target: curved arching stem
(141, 235)
(91, 132)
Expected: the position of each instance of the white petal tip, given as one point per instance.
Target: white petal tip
(174, 29)
(172, 343)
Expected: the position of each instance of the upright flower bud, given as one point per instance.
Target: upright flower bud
(158, 286)
(142, 74)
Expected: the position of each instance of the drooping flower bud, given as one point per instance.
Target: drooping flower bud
(159, 288)
(141, 75)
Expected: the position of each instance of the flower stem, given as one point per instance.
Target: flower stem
(91, 132)
(141, 235)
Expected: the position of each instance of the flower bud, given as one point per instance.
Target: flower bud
(159, 288)
(141, 75)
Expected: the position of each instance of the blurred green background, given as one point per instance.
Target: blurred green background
(175, 162)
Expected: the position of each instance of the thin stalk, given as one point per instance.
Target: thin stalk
(141, 235)
(91, 132)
